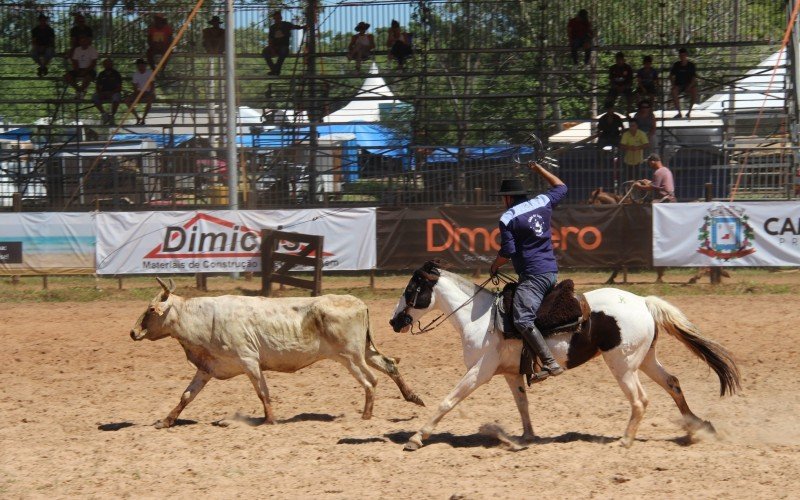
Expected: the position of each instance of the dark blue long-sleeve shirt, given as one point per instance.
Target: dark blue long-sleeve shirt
(525, 235)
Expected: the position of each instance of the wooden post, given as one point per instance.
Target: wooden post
(119, 283)
(715, 273)
(201, 281)
(372, 279)
(16, 202)
(44, 282)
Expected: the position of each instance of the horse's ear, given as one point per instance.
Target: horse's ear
(432, 267)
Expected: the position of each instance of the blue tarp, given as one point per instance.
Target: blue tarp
(161, 140)
(17, 134)
(375, 138)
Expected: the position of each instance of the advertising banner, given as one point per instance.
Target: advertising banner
(226, 241)
(727, 234)
(468, 237)
(47, 243)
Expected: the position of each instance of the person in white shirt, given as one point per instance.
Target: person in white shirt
(84, 60)
(140, 78)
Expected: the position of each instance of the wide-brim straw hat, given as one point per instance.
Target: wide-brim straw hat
(362, 25)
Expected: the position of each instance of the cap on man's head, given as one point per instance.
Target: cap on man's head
(620, 54)
(140, 61)
(215, 20)
(277, 13)
(683, 50)
(511, 187)
(654, 157)
(42, 16)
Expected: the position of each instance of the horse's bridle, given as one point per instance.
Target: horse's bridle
(421, 280)
(427, 279)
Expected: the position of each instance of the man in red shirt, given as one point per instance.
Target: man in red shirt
(159, 37)
(662, 185)
(580, 34)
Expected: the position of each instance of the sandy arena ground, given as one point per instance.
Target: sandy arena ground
(78, 399)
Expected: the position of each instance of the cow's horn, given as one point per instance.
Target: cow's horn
(163, 285)
(172, 285)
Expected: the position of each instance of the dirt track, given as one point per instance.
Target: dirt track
(78, 398)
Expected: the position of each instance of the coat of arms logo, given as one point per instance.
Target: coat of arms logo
(726, 233)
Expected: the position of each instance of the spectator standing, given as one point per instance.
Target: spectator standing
(279, 39)
(84, 61)
(609, 128)
(683, 76)
(361, 45)
(646, 121)
(159, 38)
(398, 44)
(43, 45)
(662, 185)
(580, 34)
(647, 80)
(108, 90)
(140, 78)
(214, 37)
(633, 143)
(620, 79)
(79, 30)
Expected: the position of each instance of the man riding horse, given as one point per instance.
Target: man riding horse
(526, 241)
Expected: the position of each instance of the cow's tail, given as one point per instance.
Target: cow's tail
(388, 366)
(670, 319)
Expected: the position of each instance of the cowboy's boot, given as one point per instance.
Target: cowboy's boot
(536, 341)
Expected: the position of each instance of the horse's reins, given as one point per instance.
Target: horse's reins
(495, 279)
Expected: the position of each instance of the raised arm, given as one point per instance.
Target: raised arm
(545, 174)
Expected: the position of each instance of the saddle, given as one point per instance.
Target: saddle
(561, 311)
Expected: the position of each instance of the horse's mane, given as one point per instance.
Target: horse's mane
(463, 284)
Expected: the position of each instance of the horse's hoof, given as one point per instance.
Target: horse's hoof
(413, 444)
(416, 400)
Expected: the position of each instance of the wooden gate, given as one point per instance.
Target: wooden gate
(275, 265)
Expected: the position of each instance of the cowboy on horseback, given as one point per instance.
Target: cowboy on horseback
(526, 241)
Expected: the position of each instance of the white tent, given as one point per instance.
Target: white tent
(366, 105)
(762, 87)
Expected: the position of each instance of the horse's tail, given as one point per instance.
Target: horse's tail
(670, 319)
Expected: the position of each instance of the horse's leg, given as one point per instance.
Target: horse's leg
(653, 369)
(517, 385)
(479, 374)
(359, 369)
(628, 380)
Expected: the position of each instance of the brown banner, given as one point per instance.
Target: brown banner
(468, 237)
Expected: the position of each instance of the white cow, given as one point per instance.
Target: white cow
(230, 335)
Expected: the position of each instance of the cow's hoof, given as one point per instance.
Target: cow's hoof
(366, 416)
(625, 442)
(269, 421)
(527, 438)
(413, 444)
(162, 424)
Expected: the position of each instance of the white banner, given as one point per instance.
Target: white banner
(726, 234)
(47, 243)
(227, 241)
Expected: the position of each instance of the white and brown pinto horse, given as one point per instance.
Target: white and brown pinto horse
(623, 328)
